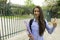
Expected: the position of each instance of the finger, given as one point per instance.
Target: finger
(29, 35)
(55, 19)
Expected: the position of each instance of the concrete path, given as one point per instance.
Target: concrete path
(54, 36)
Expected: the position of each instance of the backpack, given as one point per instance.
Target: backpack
(30, 23)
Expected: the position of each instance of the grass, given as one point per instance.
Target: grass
(20, 16)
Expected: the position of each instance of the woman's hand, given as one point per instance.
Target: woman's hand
(54, 23)
(30, 36)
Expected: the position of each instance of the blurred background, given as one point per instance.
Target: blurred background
(13, 13)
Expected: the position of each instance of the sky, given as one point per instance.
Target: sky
(22, 2)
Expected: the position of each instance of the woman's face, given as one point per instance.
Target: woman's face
(36, 12)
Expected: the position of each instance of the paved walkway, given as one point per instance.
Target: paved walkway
(54, 36)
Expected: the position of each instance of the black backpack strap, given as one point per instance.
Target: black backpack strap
(45, 22)
(30, 23)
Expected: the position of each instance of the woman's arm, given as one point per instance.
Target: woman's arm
(27, 26)
(49, 28)
(29, 31)
(30, 36)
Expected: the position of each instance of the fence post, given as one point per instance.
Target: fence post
(0, 33)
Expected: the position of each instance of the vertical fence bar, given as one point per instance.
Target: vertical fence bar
(2, 26)
(0, 34)
(16, 23)
(12, 24)
(9, 28)
(5, 27)
(7, 24)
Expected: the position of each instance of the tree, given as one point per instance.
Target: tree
(58, 6)
(52, 7)
(58, 2)
(50, 3)
(2, 6)
(29, 5)
(8, 10)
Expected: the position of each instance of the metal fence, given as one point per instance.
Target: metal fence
(9, 26)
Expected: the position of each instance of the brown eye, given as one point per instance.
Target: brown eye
(34, 10)
(38, 11)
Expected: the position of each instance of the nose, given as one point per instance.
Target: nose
(36, 12)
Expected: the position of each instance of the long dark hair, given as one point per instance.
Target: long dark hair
(41, 21)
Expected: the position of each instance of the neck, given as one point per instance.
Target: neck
(36, 19)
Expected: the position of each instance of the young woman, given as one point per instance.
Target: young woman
(39, 25)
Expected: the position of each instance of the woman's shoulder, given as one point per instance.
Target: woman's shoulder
(45, 20)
